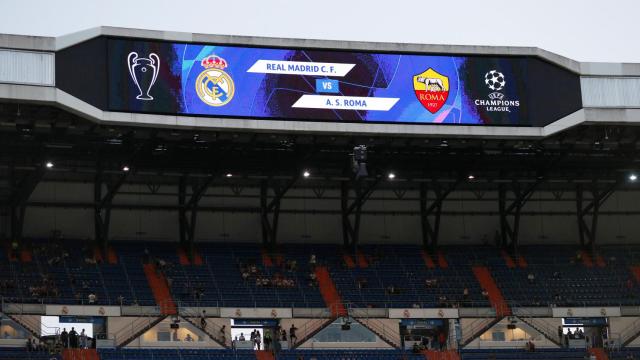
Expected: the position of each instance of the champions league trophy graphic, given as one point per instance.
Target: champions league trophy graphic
(143, 72)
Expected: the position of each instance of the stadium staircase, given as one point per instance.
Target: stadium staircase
(508, 260)
(348, 260)
(635, 270)
(522, 262)
(483, 275)
(266, 259)
(264, 355)
(97, 255)
(546, 331)
(183, 259)
(428, 261)
(329, 292)
(384, 332)
(160, 289)
(586, 259)
(599, 353)
(362, 260)
(194, 320)
(310, 329)
(442, 261)
(112, 256)
(441, 355)
(80, 354)
(26, 256)
(28, 323)
(476, 328)
(138, 327)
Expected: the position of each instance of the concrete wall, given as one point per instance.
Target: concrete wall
(456, 228)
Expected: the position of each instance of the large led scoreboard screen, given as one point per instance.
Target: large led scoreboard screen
(329, 85)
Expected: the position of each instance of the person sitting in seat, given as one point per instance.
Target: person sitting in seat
(531, 278)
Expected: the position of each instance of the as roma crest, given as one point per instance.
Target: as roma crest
(432, 89)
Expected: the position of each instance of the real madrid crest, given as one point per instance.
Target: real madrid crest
(214, 86)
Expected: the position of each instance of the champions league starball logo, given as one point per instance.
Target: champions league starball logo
(214, 86)
(496, 82)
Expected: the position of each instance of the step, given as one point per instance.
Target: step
(522, 262)
(160, 289)
(182, 257)
(487, 282)
(112, 256)
(362, 260)
(329, 292)
(600, 261)
(264, 355)
(442, 261)
(508, 259)
(97, 255)
(599, 353)
(266, 259)
(197, 259)
(441, 355)
(586, 259)
(26, 256)
(348, 260)
(428, 261)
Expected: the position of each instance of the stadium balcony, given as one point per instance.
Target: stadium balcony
(66, 274)
(516, 354)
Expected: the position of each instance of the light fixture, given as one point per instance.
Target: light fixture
(49, 165)
(471, 177)
(125, 168)
(306, 173)
(229, 175)
(633, 177)
(391, 176)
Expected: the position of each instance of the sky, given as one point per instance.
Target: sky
(583, 30)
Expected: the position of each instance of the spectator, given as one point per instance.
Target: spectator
(312, 261)
(485, 294)
(64, 337)
(92, 298)
(465, 293)
(257, 340)
(223, 334)
(242, 338)
(292, 334)
(120, 299)
(73, 338)
(560, 334)
(188, 338)
(442, 340)
(83, 339)
(203, 320)
(531, 278)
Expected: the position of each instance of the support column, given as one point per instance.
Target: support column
(102, 205)
(591, 208)
(188, 211)
(21, 189)
(430, 211)
(510, 211)
(362, 190)
(270, 208)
